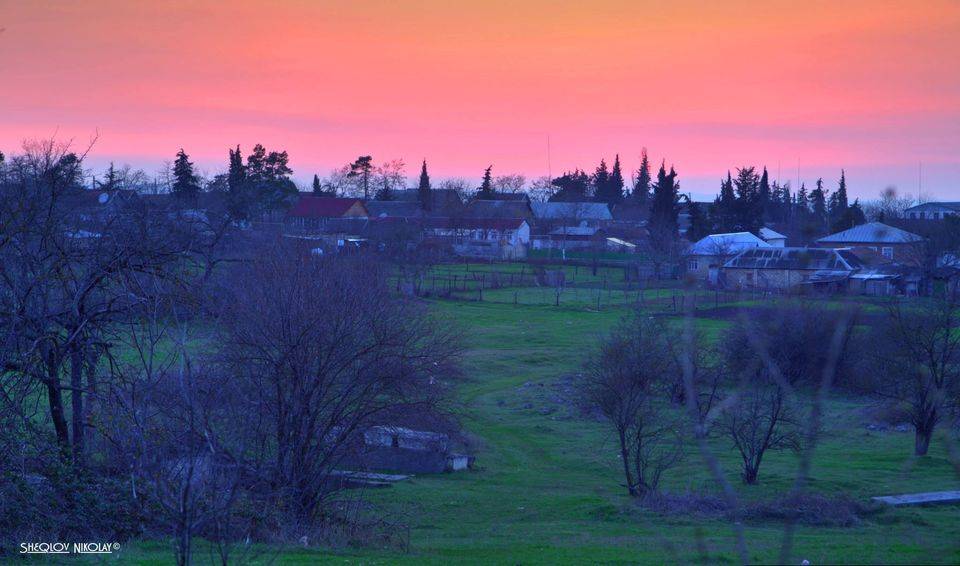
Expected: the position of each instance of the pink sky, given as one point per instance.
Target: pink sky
(870, 86)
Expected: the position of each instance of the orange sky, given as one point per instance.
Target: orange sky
(870, 86)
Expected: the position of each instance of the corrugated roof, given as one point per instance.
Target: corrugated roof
(571, 210)
(726, 244)
(793, 258)
(871, 233)
(934, 205)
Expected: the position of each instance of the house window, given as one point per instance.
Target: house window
(693, 265)
(887, 252)
(936, 215)
(913, 215)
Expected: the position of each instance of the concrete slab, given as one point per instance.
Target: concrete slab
(929, 498)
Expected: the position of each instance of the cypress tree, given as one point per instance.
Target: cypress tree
(764, 196)
(663, 210)
(724, 209)
(601, 182)
(184, 181)
(485, 191)
(818, 206)
(317, 187)
(641, 186)
(423, 190)
(237, 173)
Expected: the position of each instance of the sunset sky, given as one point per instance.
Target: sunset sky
(869, 86)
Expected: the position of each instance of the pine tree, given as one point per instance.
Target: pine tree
(485, 191)
(257, 164)
(663, 223)
(764, 196)
(839, 208)
(842, 201)
(110, 178)
(818, 207)
(749, 208)
(641, 186)
(184, 181)
(615, 183)
(424, 193)
(317, 187)
(362, 168)
(601, 182)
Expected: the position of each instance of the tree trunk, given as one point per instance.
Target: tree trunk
(55, 401)
(750, 473)
(922, 442)
(625, 457)
(76, 402)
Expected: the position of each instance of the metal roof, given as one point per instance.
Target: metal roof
(769, 234)
(726, 244)
(793, 258)
(872, 233)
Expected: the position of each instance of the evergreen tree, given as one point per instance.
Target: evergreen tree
(842, 191)
(424, 193)
(764, 196)
(317, 187)
(257, 164)
(663, 223)
(723, 212)
(749, 208)
(184, 181)
(601, 182)
(699, 223)
(111, 179)
(485, 191)
(838, 208)
(572, 187)
(641, 186)
(362, 168)
(237, 173)
(614, 193)
(818, 208)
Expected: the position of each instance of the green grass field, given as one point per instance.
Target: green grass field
(546, 488)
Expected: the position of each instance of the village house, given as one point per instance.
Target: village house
(893, 243)
(806, 269)
(705, 257)
(554, 214)
(932, 211)
(505, 238)
(772, 237)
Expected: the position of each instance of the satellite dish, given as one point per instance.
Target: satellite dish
(103, 198)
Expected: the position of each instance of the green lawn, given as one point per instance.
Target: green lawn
(546, 488)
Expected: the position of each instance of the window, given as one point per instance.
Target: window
(693, 265)
(887, 252)
(913, 215)
(936, 215)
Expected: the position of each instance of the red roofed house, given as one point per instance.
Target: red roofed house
(311, 212)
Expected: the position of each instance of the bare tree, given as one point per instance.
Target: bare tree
(764, 417)
(917, 352)
(322, 349)
(629, 380)
(509, 183)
